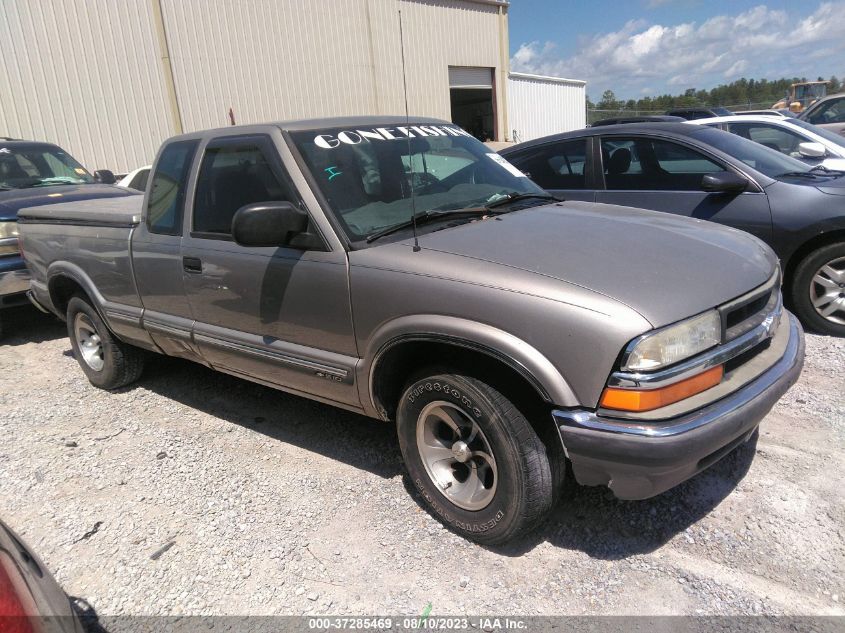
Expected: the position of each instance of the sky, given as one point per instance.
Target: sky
(641, 48)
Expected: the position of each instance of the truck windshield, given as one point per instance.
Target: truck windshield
(23, 166)
(368, 175)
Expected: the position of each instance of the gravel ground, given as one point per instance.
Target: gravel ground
(194, 492)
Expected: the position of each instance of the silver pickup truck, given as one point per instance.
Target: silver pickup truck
(402, 270)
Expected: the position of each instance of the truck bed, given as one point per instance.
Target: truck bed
(87, 242)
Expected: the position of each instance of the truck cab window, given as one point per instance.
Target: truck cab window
(232, 176)
(167, 196)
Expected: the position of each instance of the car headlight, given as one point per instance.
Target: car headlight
(675, 343)
(8, 238)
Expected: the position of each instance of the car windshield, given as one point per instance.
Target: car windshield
(25, 166)
(836, 139)
(376, 178)
(759, 157)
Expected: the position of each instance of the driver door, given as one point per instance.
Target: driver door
(276, 315)
(663, 175)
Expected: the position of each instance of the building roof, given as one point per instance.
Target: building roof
(562, 80)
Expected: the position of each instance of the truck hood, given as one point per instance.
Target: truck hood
(665, 267)
(13, 201)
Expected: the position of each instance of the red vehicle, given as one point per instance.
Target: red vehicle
(31, 600)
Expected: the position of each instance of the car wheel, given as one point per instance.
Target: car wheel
(818, 290)
(475, 459)
(108, 362)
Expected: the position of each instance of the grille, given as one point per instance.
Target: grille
(747, 312)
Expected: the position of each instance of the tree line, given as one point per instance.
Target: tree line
(742, 92)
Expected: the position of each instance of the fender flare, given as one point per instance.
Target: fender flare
(487, 339)
(75, 273)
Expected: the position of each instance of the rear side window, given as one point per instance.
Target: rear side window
(234, 173)
(557, 165)
(167, 195)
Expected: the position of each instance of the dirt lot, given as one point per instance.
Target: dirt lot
(277, 505)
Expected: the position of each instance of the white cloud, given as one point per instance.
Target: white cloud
(737, 68)
(757, 42)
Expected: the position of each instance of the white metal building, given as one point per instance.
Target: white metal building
(108, 80)
(563, 105)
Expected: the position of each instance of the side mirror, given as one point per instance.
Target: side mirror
(105, 177)
(268, 224)
(812, 150)
(724, 182)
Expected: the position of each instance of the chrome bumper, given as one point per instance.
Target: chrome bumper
(642, 458)
(14, 279)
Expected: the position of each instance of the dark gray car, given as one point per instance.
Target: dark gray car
(712, 175)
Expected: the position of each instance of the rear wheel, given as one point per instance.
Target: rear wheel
(108, 362)
(475, 459)
(818, 290)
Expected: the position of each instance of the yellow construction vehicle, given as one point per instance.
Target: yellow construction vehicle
(802, 95)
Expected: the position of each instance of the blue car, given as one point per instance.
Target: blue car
(697, 171)
(35, 174)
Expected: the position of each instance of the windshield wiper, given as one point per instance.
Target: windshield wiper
(827, 171)
(426, 217)
(508, 198)
(515, 195)
(798, 174)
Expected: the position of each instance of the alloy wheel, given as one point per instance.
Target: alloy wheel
(827, 291)
(456, 455)
(90, 345)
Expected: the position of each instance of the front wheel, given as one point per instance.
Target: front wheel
(107, 362)
(475, 459)
(818, 290)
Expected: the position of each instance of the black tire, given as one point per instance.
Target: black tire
(803, 286)
(121, 363)
(517, 492)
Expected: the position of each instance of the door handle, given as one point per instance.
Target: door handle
(192, 264)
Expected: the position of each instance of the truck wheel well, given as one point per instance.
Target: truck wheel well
(61, 289)
(403, 361)
(808, 247)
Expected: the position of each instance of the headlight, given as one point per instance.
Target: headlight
(675, 343)
(8, 238)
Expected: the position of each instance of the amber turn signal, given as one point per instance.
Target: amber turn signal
(645, 400)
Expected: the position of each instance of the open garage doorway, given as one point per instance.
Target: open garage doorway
(473, 102)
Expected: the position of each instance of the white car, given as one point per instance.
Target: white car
(793, 137)
(136, 179)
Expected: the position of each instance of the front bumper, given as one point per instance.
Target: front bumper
(640, 461)
(14, 281)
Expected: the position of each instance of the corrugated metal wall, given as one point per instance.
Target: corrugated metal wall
(538, 106)
(88, 74)
(84, 75)
(276, 59)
